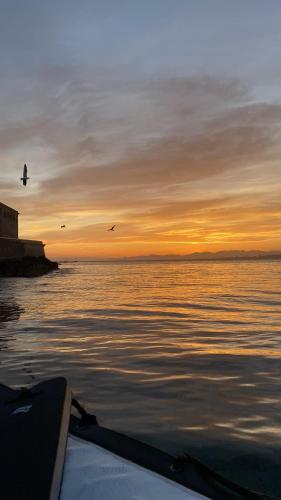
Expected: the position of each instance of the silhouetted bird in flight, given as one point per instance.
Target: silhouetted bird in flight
(24, 177)
(62, 226)
(112, 228)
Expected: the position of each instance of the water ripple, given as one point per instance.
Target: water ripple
(184, 355)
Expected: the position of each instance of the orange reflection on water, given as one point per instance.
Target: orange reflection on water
(191, 347)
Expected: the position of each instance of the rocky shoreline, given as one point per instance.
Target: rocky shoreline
(27, 267)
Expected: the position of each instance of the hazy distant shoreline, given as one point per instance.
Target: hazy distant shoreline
(194, 257)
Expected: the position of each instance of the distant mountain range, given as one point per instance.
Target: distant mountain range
(223, 255)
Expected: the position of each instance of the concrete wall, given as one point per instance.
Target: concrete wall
(8, 222)
(10, 249)
(33, 248)
(13, 248)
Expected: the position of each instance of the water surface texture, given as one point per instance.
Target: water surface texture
(185, 356)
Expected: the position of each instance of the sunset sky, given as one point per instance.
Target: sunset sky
(161, 116)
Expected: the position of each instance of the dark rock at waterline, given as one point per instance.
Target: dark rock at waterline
(27, 267)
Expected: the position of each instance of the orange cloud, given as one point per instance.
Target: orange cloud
(176, 164)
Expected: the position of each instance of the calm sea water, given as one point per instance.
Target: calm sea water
(185, 356)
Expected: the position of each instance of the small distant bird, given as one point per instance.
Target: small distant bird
(112, 228)
(62, 226)
(24, 177)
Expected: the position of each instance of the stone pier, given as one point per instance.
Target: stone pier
(19, 257)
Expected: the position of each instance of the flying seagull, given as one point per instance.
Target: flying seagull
(62, 226)
(24, 177)
(112, 228)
